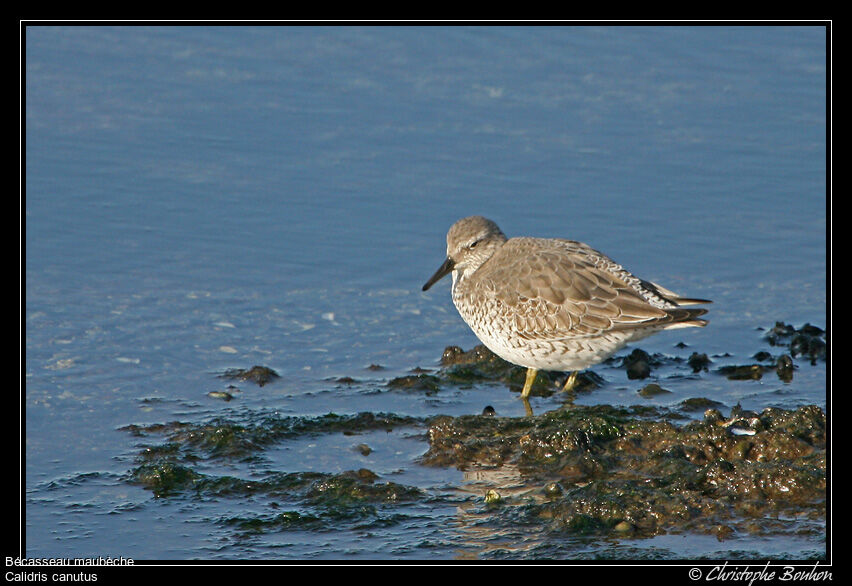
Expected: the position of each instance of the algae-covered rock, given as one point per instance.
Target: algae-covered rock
(164, 479)
(459, 367)
(357, 486)
(630, 471)
(416, 382)
(743, 372)
(698, 404)
(479, 364)
(260, 375)
(652, 390)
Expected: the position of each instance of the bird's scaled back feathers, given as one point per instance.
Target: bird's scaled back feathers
(551, 289)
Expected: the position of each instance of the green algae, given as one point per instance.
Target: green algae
(317, 500)
(326, 499)
(226, 438)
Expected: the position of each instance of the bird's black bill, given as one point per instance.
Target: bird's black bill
(440, 273)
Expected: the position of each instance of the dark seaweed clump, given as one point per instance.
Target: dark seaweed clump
(808, 341)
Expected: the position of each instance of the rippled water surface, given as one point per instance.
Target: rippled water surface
(206, 198)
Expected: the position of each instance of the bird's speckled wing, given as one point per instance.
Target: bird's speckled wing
(561, 288)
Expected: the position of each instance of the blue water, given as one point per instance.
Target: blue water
(200, 198)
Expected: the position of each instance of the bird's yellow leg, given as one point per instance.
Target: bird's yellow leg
(572, 380)
(531, 372)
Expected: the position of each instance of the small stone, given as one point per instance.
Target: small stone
(651, 390)
(364, 449)
(224, 395)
